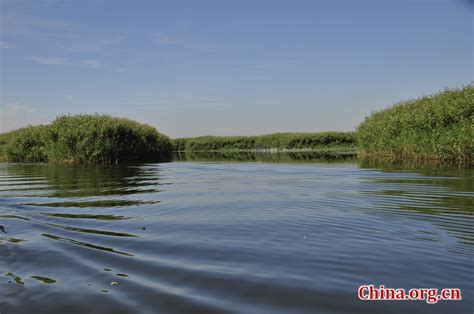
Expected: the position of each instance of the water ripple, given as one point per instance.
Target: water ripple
(231, 237)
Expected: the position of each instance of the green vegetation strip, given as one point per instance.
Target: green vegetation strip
(324, 141)
(439, 127)
(85, 139)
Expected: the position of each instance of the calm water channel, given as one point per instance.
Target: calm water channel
(233, 235)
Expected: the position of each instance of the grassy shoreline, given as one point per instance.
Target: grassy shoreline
(349, 150)
(437, 129)
(88, 139)
(269, 142)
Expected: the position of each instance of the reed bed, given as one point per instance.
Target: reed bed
(436, 127)
(96, 138)
(277, 141)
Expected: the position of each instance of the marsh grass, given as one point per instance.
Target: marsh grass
(85, 139)
(436, 127)
(342, 141)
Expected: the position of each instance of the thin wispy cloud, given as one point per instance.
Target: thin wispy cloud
(161, 38)
(64, 61)
(31, 26)
(48, 60)
(65, 35)
(182, 42)
(90, 45)
(16, 114)
(16, 107)
(275, 64)
(266, 70)
(159, 99)
(6, 45)
(124, 70)
(91, 63)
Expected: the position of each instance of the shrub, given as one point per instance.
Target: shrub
(439, 126)
(87, 139)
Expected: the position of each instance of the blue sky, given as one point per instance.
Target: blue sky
(228, 67)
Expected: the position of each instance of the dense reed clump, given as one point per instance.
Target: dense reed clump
(213, 143)
(26, 144)
(306, 140)
(86, 139)
(278, 141)
(436, 127)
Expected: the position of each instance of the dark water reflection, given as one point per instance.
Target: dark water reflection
(271, 157)
(279, 234)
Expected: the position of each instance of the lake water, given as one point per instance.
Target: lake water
(238, 237)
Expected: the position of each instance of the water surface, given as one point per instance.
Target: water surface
(243, 237)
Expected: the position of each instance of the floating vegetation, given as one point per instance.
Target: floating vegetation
(16, 278)
(86, 216)
(101, 203)
(45, 280)
(92, 231)
(2, 229)
(122, 275)
(12, 240)
(84, 244)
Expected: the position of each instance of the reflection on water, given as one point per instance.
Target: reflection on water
(279, 233)
(446, 198)
(84, 244)
(279, 157)
(17, 279)
(44, 279)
